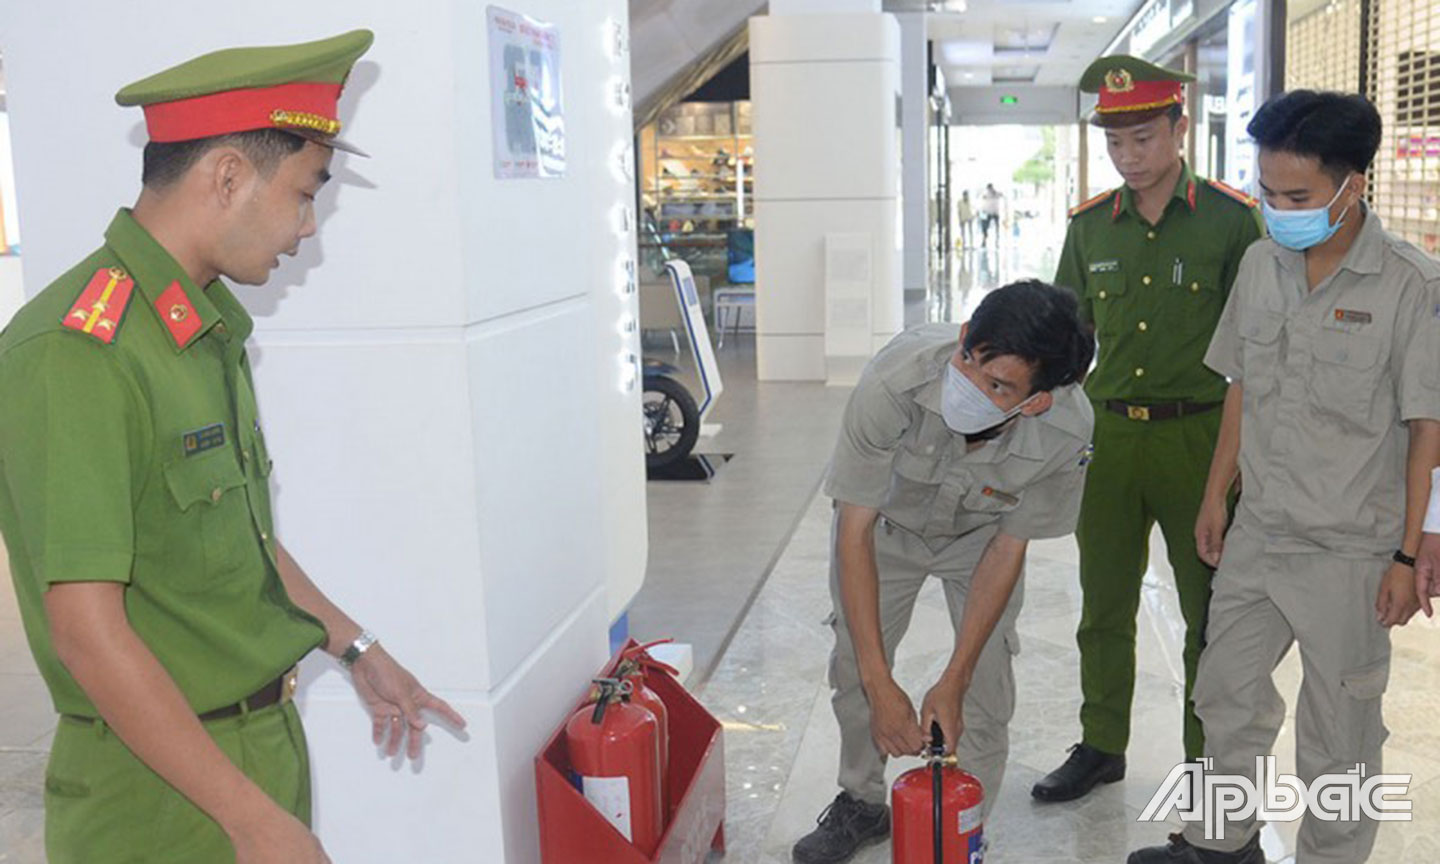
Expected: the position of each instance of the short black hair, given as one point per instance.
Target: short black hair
(165, 163)
(1038, 323)
(1175, 112)
(1342, 130)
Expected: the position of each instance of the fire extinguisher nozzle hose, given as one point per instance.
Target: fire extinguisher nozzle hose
(937, 747)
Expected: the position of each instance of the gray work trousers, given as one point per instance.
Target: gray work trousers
(1262, 604)
(904, 561)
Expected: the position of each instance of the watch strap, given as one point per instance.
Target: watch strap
(356, 649)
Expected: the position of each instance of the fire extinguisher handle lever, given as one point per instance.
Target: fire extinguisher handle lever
(610, 690)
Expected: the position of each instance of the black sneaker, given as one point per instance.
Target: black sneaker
(846, 826)
(1177, 851)
(1085, 768)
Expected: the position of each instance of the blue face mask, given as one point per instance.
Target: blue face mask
(1301, 229)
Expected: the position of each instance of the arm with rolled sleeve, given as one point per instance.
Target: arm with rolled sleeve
(875, 420)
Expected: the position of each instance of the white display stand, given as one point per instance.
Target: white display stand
(708, 370)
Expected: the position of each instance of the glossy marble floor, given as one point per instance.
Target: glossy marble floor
(782, 740)
(766, 679)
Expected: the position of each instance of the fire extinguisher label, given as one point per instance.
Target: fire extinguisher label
(977, 848)
(611, 796)
(969, 819)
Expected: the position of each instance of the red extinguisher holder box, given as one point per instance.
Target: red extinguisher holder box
(574, 832)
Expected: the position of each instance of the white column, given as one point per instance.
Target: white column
(915, 162)
(458, 460)
(826, 91)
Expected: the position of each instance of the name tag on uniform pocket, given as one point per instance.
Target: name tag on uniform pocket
(1104, 266)
(207, 438)
(1352, 316)
(1002, 497)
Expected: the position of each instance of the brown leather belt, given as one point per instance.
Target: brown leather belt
(279, 691)
(1162, 411)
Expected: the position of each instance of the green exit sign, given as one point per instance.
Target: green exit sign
(1009, 100)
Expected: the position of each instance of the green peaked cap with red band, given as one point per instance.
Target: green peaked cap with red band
(1132, 91)
(293, 88)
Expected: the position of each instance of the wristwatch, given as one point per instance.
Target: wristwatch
(1402, 558)
(361, 644)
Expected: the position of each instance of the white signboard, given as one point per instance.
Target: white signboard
(1151, 25)
(849, 281)
(1240, 96)
(525, 106)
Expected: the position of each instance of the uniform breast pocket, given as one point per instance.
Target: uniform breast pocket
(214, 516)
(983, 505)
(915, 480)
(1106, 292)
(1260, 349)
(1200, 279)
(1346, 377)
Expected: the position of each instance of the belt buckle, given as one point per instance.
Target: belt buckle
(289, 685)
(1137, 412)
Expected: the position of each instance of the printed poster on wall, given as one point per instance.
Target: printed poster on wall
(526, 115)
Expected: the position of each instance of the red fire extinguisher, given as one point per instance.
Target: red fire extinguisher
(936, 812)
(614, 747)
(633, 665)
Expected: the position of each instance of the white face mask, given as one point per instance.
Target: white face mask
(967, 409)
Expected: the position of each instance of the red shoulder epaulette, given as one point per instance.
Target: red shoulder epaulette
(1091, 204)
(1232, 192)
(99, 308)
(178, 314)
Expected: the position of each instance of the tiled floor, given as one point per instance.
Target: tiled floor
(720, 549)
(26, 724)
(712, 542)
(782, 740)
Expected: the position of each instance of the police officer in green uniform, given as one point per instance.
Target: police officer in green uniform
(1152, 263)
(164, 615)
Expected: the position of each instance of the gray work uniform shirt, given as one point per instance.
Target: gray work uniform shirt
(1329, 376)
(896, 455)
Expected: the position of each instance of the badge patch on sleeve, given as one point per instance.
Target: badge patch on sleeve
(1087, 455)
(208, 438)
(1104, 266)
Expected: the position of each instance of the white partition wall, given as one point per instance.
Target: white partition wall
(915, 199)
(825, 83)
(444, 374)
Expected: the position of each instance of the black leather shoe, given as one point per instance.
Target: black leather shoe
(1177, 851)
(845, 827)
(1085, 768)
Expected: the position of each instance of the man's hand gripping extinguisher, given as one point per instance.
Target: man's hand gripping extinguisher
(936, 811)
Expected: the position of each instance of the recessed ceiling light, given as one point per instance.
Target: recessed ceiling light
(1099, 19)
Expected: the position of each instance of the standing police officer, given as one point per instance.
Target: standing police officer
(163, 613)
(1152, 263)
